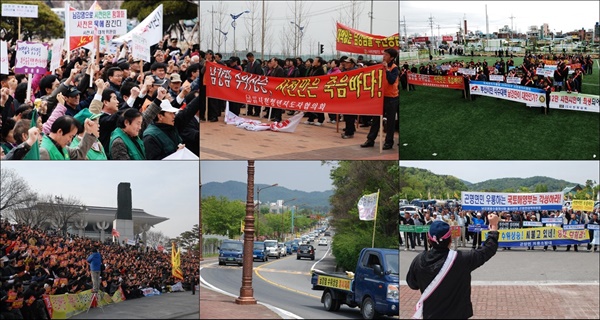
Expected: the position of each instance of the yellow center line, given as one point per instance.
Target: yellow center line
(256, 271)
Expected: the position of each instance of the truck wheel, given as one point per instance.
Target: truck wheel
(221, 263)
(329, 302)
(297, 257)
(368, 309)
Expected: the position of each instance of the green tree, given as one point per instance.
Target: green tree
(46, 26)
(173, 10)
(189, 240)
(222, 216)
(351, 180)
(541, 188)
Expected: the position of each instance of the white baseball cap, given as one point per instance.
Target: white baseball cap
(166, 106)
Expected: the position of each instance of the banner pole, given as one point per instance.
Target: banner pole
(206, 109)
(337, 123)
(375, 221)
(19, 35)
(28, 97)
(381, 134)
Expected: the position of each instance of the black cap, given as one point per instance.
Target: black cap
(72, 92)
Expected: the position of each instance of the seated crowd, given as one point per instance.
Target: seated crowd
(36, 263)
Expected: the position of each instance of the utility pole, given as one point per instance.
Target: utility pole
(430, 26)
(511, 25)
(212, 34)
(262, 41)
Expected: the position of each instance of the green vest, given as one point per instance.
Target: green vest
(53, 151)
(6, 147)
(96, 152)
(169, 146)
(134, 152)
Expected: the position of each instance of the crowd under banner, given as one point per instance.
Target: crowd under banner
(449, 82)
(355, 41)
(497, 201)
(355, 92)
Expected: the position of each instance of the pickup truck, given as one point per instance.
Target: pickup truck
(374, 286)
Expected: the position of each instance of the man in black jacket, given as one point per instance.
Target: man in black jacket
(451, 298)
(254, 68)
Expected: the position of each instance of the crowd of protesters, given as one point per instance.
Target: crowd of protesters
(297, 67)
(36, 263)
(119, 108)
(464, 218)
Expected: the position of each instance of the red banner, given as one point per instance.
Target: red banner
(355, 92)
(447, 38)
(354, 41)
(450, 82)
(420, 39)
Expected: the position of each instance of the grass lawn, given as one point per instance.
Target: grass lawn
(439, 121)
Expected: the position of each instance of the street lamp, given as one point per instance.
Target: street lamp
(282, 202)
(235, 17)
(246, 291)
(296, 36)
(225, 36)
(258, 205)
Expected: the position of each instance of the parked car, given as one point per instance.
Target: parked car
(305, 251)
(410, 209)
(272, 249)
(260, 251)
(322, 242)
(288, 247)
(231, 251)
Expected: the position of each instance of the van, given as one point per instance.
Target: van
(231, 251)
(272, 249)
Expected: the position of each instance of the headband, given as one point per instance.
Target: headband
(434, 238)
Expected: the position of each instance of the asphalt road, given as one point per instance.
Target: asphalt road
(283, 283)
(520, 266)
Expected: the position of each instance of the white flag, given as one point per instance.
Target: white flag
(367, 206)
(151, 28)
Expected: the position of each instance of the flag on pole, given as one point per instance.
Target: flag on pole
(176, 262)
(34, 152)
(242, 226)
(367, 206)
(116, 233)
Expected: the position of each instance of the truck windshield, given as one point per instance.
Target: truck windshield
(232, 246)
(392, 260)
(259, 246)
(270, 244)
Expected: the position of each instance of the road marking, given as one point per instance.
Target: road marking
(288, 272)
(526, 283)
(283, 313)
(256, 271)
(326, 252)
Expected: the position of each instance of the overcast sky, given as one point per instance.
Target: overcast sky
(319, 27)
(561, 16)
(162, 188)
(477, 171)
(295, 175)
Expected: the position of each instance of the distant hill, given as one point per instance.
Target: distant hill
(238, 190)
(516, 183)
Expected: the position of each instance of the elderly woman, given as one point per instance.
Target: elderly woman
(124, 141)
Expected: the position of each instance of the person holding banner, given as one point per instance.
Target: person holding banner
(594, 234)
(477, 221)
(571, 220)
(444, 276)
(391, 102)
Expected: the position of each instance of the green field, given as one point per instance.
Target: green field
(439, 121)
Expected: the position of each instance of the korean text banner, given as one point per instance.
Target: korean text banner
(450, 82)
(582, 205)
(32, 57)
(106, 22)
(531, 96)
(496, 201)
(575, 101)
(354, 92)
(544, 236)
(352, 40)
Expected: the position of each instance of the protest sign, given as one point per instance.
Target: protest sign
(575, 101)
(57, 46)
(546, 72)
(354, 92)
(477, 228)
(497, 201)
(496, 77)
(19, 10)
(513, 80)
(531, 96)
(552, 220)
(32, 57)
(544, 236)
(449, 82)
(582, 205)
(455, 231)
(467, 71)
(532, 224)
(106, 22)
(509, 225)
(3, 58)
(355, 41)
(140, 48)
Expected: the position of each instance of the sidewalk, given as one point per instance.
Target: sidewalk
(215, 305)
(219, 141)
(569, 301)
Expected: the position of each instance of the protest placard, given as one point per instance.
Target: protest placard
(140, 48)
(32, 57)
(19, 10)
(3, 58)
(57, 46)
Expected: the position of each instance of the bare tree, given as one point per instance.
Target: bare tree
(14, 191)
(154, 238)
(353, 12)
(222, 16)
(61, 211)
(253, 23)
(299, 11)
(29, 214)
